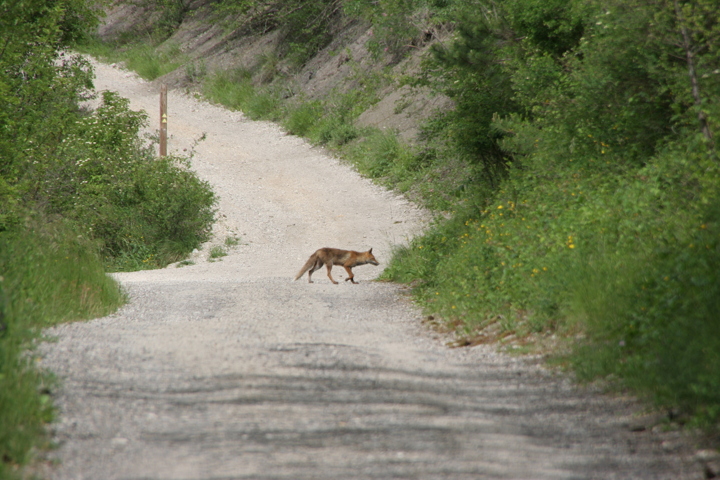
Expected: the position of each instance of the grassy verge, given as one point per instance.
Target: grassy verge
(107, 204)
(621, 264)
(49, 275)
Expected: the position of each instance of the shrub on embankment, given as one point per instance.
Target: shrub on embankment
(79, 193)
(595, 210)
(578, 167)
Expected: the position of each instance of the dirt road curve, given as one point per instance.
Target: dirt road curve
(228, 370)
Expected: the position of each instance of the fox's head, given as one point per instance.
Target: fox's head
(370, 258)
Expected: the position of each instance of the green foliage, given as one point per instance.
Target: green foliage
(302, 119)
(336, 127)
(50, 24)
(603, 219)
(553, 27)
(76, 188)
(235, 90)
(172, 14)
(380, 154)
(146, 211)
(48, 274)
(611, 101)
(470, 72)
(656, 316)
(52, 273)
(232, 89)
(31, 120)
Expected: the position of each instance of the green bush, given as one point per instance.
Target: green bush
(151, 63)
(602, 222)
(379, 154)
(649, 303)
(146, 212)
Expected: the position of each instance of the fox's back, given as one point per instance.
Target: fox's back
(345, 257)
(334, 255)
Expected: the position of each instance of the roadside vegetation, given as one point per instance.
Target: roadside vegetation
(577, 171)
(80, 194)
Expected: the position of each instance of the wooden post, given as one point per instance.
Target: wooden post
(163, 120)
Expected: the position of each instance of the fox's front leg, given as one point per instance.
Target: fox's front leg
(350, 275)
(329, 267)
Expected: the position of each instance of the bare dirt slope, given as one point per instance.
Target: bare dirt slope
(228, 370)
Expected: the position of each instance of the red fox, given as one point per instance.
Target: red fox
(334, 256)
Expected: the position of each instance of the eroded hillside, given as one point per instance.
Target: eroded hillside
(211, 42)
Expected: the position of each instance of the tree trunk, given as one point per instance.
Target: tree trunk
(702, 118)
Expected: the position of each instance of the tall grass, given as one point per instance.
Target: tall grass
(151, 63)
(653, 305)
(48, 274)
(234, 89)
(145, 58)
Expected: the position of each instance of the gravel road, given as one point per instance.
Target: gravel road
(229, 370)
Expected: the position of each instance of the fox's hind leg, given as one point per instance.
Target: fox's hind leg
(329, 268)
(316, 266)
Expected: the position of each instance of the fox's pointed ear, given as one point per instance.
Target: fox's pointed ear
(370, 251)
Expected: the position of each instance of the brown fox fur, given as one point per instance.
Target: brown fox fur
(334, 256)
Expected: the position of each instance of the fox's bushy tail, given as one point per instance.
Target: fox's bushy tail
(308, 265)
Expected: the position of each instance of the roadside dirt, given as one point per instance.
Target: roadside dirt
(229, 370)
